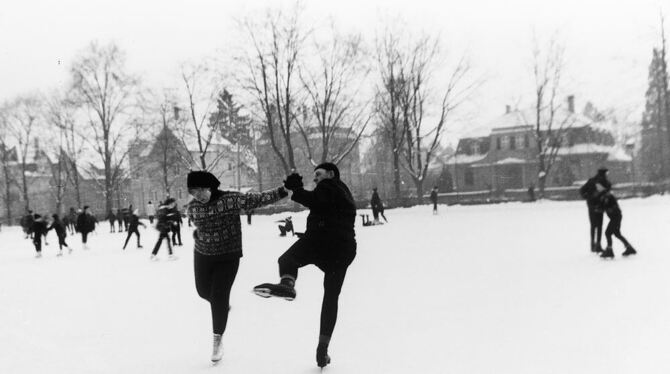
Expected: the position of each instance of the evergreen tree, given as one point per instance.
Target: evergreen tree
(654, 151)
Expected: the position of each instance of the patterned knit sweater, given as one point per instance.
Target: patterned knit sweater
(217, 222)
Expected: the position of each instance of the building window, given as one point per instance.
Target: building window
(505, 142)
(179, 194)
(155, 195)
(469, 178)
(475, 148)
(512, 142)
(498, 146)
(526, 141)
(230, 166)
(521, 142)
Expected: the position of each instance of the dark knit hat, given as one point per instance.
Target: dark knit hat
(329, 166)
(602, 169)
(169, 200)
(202, 179)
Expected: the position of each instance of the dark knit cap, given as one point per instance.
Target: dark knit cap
(329, 166)
(202, 179)
(169, 200)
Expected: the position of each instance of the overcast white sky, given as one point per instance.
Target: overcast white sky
(608, 43)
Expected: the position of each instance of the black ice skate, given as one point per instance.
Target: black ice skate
(596, 248)
(283, 291)
(322, 358)
(608, 253)
(629, 251)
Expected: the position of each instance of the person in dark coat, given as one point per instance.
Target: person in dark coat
(85, 225)
(61, 232)
(286, 227)
(111, 216)
(377, 206)
(218, 242)
(250, 213)
(176, 227)
(133, 225)
(165, 219)
(71, 221)
(433, 199)
(26, 223)
(593, 197)
(38, 229)
(611, 207)
(329, 243)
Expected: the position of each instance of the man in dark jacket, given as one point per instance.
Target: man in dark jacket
(433, 199)
(328, 242)
(593, 196)
(133, 225)
(165, 219)
(85, 225)
(38, 229)
(377, 206)
(61, 232)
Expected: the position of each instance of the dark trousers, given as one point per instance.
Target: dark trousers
(435, 206)
(333, 256)
(163, 235)
(213, 280)
(61, 241)
(84, 236)
(151, 220)
(614, 228)
(176, 233)
(596, 223)
(131, 232)
(111, 226)
(37, 241)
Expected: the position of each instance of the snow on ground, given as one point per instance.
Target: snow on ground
(509, 288)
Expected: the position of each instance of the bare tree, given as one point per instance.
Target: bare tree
(58, 115)
(23, 116)
(389, 93)
(107, 93)
(272, 77)
(423, 130)
(201, 96)
(7, 157)
(548, 124)
(336, 113)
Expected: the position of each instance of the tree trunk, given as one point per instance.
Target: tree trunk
(396, 174)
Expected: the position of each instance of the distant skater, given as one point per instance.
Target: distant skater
(151, 212)
(38, 229)
(165, 219)
(133, 224)
(433, 199)
(377, 206)
(61, 232)
(611, 207)
(593, 198)
(85, 225)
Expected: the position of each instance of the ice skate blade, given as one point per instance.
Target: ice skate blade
(266, 293)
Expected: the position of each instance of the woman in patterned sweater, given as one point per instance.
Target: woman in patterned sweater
(218, 242)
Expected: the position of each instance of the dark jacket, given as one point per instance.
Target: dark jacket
(433, 196)
(59, 227)
(590, 192)
(134, 222)
(332, 211)
(376, 202)
(217, 222)
(39, 228)
(610, 205)
(165, 218)
(85, 222)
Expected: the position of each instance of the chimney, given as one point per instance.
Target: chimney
(508, 109)
(571, 103)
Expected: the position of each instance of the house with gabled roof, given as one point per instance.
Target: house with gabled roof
(507, 156)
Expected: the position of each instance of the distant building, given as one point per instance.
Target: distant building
(165, 156)
(272, 171)
(507, 157)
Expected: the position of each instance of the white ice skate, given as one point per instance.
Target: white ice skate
(172, 258)
(217, 349)
(60, 253)
(38, 255)
(153, 258)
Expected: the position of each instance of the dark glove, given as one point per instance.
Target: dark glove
(293, 182)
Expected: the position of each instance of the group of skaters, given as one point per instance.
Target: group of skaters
(36, 226)
(600, 201)
(168, 224)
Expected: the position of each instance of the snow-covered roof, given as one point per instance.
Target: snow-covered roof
(618, 154)
(465, 159)
(510, 160)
